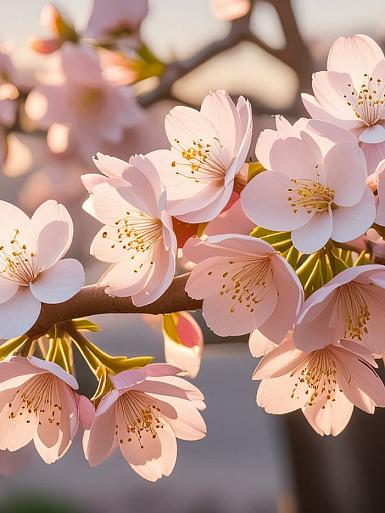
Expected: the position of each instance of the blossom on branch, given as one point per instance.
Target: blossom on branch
(31, 269)
(37, 402)
(351, 94)
(348, 306)
(208, 150)
(138, 237)
(315, 197)
(326, 383)
(244, 285)
(143, 415)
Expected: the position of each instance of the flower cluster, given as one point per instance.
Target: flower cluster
(282, 249)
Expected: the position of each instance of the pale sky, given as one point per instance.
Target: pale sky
(177, 28)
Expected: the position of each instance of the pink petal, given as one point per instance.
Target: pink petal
(327, 134)
(205, 206)
(346, 171)
(220, 110)
(230, 246)
(155, 457)
(8, 289)
(260, 345)
(245, 132)
(263, 147)
(330, 89)
(330, 418)
(12, 219)
(19, 313)
(86, 412)
(50, 211)
(186, 125)
(142, 174)
(110, 166)
(101, 441)
(185, 420)
(351, 222)
(373, 135)
(318, 112)
(56, 370)
(128, 378)
(275, 395)
(280, 361)
(315, 234)
(60, 282)
(289, 301)
(358, 55)
(294, 157)
(52, 243)
(313, 330)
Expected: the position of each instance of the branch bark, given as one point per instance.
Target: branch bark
(92, 300)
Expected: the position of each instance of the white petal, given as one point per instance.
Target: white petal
(351, 222)
(59, 283)
(19, 313)
(313, 235)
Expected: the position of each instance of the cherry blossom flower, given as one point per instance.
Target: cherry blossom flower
(82, 109)
(351, 93)
(37, 402)
(229, 9)
(183, 342)
(209, 148)
(143, 415)
(244, 285)
(316, 198)
(115, 18)
(348, 306)
(138, 238)
(325, 383)
(31, 271)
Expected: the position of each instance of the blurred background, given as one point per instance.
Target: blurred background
(175, 53)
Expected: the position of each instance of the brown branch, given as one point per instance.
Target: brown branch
(178, 69)
(92, 300)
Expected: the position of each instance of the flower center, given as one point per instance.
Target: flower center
(311, 195)
(351, 299)
(318, 375)
(17, 261)
(37, 398)
(247, 283)
(201, 161)
(135, 232)
(139, 416)
(368, 102)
